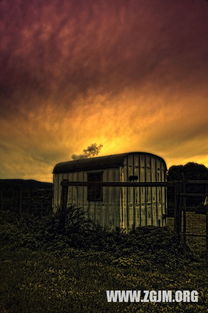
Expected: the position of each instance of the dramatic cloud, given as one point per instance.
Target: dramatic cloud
(128, 74)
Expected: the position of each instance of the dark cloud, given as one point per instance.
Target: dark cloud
(70, 67)
(66, 49)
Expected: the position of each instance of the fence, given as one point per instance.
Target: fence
(190, 223)
(24, 199)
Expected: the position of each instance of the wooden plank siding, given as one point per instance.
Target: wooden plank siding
(121, 206)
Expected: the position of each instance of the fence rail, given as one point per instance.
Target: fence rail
(180, 196)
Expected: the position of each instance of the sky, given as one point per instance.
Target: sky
(131, 75)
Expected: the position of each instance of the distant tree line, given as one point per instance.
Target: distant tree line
(189, 171)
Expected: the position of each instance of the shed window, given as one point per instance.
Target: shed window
(94, 192)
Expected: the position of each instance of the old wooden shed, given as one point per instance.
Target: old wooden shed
(115, 206)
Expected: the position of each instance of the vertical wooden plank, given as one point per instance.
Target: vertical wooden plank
(136, 192)
(112, 205)
(111, 198)
(140, 194)
(64, 196)
(130, 191)
(85, 202)
(159, 208)
(72, 189)
(70, 194)
(142, 175)
(121, 198)
(90, 206)
(151, 192)
(133, 196)
(55, 190)
(116, 196)
(105, 200)
(153, 196)
(102, 210)
(106, 192)
(79, 191)
(126, 221)
(76, 178)
(59, 191)
(165, 194)
(146, 189)
(163, 206)
(160, 192)
(156, 195)
(148, 200)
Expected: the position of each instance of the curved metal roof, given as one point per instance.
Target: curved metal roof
(97, 163)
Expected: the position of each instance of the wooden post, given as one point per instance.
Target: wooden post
(64, 196)
(1, 198)
(176, 217)
(207, 235)
(184, 210)
(206, 207)
(20, 201)
(177, 210)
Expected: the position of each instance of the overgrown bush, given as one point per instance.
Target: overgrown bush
(71, 229)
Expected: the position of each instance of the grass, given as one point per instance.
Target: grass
(42, 272)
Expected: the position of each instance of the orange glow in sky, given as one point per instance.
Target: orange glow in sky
(130, 75)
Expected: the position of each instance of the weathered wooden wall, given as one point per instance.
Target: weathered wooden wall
(142, 206)
(124, 207)
(105, 213)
